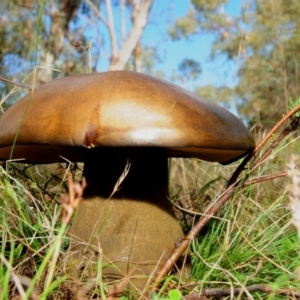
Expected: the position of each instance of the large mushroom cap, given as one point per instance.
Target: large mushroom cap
(67, 116)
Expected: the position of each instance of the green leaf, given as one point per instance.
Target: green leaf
(174, 295)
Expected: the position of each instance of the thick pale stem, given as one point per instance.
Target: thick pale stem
(135, 227)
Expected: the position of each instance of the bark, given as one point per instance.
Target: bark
(60, 15)
(140, 13)
(111, 29)
(137, 57)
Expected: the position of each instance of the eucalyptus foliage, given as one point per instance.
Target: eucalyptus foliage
(263, 40)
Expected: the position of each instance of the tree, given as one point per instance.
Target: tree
(71, 36)
(264, 40)
(123, 47)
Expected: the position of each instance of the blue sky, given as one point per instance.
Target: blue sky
(198, 48)
(217, 73)
(163, 14)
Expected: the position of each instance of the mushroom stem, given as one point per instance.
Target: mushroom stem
(147, 179)
(135, 227)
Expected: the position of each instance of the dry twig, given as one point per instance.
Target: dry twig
(70, 201)
(219, 292)
(16, 83)
(241, 167)
(226, 195)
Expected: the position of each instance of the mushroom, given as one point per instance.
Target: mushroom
(112, 121)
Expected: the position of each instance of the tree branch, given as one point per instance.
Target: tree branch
(97, 12)
(16, 83)
(261, 144)
(140, 17)
(219, 292)
(226, 195)
(111, 30)
(123, 20)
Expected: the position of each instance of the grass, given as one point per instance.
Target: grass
(249, 246)
(250, 242)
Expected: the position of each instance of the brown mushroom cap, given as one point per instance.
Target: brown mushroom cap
(66, 117)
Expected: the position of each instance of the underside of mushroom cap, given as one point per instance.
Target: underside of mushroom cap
(66, 117)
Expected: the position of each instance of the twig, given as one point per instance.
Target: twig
(118, 288)
(69, 202)
(22, 172)
(111, 30)
(294, 125)
(222, 199)
(16, 83)
(218, 292)
(264, 178)
(241, 167)
(276, 127)
(96, 11)
(184, 243)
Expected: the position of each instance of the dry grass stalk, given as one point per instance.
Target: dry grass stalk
(121, 179)
(293, 171)
(70, 201)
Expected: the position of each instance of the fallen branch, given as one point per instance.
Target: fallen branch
(241, 167)
(182, 245)
(291, 127)
(219, 292)
(233, 183)
(264, 178)
(16, 83)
